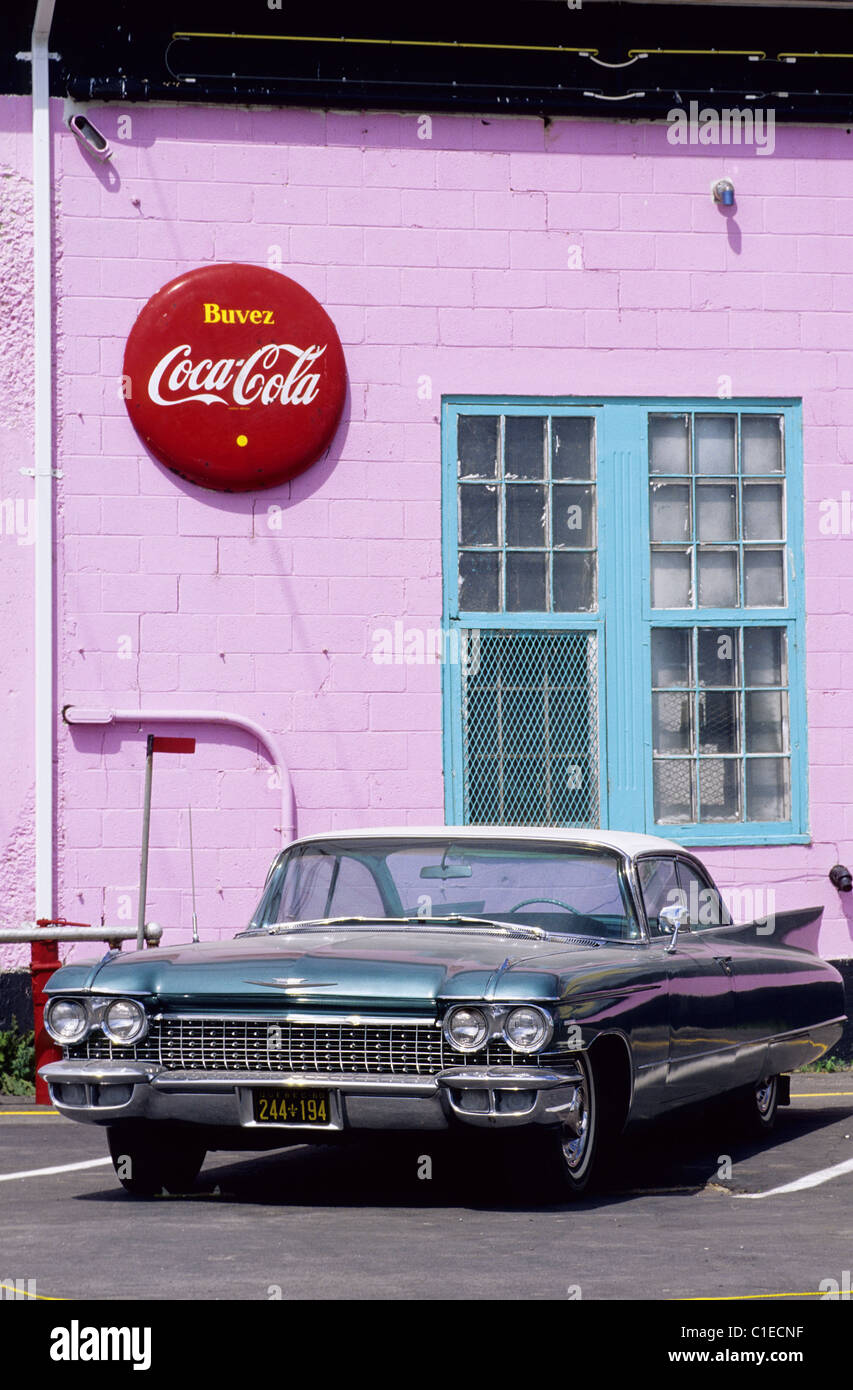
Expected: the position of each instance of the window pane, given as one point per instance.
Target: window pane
(671, 586)
(669, 512)
(573, 519)
(524, 446)
(707, 908)
(717, 578)
(763, 578)
(571, 446)
(671, 731)
(715, 444)
(525, 582)
(716, 508)
(670, 656)
(764, 656)
(478, 514)
(574, 581)
(356, 890)
(761, 444)
(718, 732)
(660, 887)
(478, 581)
(669, 444)
(766, 721)
(762, 512)
(675, 791)
(768, 789)
(718, 656)
(305, 892)
(525, 514)
(477, 443)
(719, 789)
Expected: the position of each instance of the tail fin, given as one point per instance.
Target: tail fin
(799, 928)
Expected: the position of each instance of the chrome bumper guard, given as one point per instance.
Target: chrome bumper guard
(100, 1092)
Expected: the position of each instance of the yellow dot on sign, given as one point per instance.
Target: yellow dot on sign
(242, 440)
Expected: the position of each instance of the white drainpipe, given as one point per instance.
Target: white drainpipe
(43, 461)
(75, 714)
(44, 539)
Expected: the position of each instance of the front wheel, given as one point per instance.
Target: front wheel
(582, 1148)
(149, 1159)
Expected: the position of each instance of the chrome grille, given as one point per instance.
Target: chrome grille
(216, 1044)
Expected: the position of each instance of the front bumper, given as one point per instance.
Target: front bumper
(105, 1093)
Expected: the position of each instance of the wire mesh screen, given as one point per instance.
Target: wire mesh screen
(530, 727)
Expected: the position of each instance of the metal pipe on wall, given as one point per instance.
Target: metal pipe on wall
(76, 714)
(43, 461)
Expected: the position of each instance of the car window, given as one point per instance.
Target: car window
(577, 890)
(660, 888)
(355, 891)
(701, 898)
(304, 889)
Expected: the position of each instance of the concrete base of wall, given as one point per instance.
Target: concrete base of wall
(16, 1001)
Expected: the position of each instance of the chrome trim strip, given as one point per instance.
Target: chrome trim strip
(350, 1020)
(85, 993)
(794, 1033)
(505, 1078)
(618, 990)
(107, 1072)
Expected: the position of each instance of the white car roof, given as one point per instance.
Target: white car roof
(624, 841)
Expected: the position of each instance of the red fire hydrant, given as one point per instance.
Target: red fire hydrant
(44, 959)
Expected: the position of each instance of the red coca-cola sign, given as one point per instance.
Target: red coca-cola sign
(235, 377)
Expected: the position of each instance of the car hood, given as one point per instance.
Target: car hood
(340, 967)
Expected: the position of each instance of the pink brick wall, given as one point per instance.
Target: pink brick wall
(443, 258)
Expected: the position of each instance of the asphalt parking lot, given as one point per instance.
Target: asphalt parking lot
(357, 1222)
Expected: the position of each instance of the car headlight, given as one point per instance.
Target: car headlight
(527, 1029)
(125, 1021)
(466, 1029)
(66, 1020)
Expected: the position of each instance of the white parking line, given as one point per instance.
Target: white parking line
(46, 1172)
(810, 1180)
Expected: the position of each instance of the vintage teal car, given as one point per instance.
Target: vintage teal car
(568, 982)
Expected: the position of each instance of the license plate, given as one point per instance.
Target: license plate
(292, 1107)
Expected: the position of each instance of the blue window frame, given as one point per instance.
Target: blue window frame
(626, 580)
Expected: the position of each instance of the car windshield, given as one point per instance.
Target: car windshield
(574, 890)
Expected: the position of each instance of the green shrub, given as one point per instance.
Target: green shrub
(17, 1062)
(831, 1062)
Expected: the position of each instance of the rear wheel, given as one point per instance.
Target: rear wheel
(149, 1159)
(755, 1107)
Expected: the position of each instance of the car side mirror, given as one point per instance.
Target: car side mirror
(673, 918)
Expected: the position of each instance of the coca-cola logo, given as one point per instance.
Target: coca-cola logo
(207, 381)
(234, 377)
